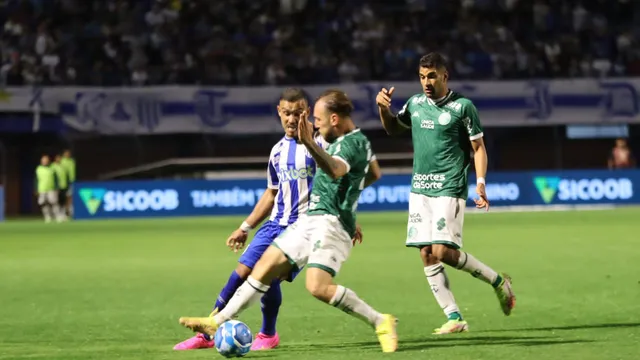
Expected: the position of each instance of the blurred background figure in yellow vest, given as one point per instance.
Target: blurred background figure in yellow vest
(62, 185)
(69, 165)
(46, 190)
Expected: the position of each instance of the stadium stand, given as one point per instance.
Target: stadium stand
(245, 42)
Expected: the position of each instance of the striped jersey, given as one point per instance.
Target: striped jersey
(291, 169)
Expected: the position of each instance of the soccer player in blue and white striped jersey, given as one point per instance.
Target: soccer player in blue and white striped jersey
(289, 179)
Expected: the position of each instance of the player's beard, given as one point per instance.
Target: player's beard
(330, 136)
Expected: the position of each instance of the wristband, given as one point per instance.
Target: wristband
(245, 227)
(480, 180)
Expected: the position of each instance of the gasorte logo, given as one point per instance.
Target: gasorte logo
(428, 181)
(427, 124)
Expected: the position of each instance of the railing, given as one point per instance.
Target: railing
(252, 166)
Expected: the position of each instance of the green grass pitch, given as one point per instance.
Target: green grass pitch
(115, 290)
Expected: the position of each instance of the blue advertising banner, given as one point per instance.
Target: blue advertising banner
(132, 199)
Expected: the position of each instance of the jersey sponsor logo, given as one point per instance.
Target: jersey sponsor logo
(419, 100)
(427, 124)
(550, 188)
(295, 174)
(457, 107)
(428, 181)
(415, 218)
(444, 118)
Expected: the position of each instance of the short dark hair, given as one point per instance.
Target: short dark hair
(337, 102)
(293, 95)
(433, 60)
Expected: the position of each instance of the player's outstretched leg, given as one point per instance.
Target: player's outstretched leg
(271, 266)
(268, 338)
(320, 284)
(204, 341)
(461, 260)
(439, 284)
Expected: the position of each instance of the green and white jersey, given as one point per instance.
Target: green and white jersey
(441, 134)
(339, 197)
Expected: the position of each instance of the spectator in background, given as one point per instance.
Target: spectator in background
(621, 156)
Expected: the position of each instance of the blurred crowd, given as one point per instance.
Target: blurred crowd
(276, 42)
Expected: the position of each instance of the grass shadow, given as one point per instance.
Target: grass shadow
(571, 327)
(413, 344)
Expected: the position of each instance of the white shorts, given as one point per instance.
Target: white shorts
(435, 220)
(316, 241)
(49, 197)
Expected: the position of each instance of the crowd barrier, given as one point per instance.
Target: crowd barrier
(135, 199)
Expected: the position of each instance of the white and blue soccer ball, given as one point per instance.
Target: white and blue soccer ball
(233, 339)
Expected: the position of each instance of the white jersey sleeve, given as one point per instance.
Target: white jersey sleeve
(321, 142)
(273, 181)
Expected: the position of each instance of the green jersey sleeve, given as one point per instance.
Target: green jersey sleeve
(404, 115)
(471, 121)
(349, 153)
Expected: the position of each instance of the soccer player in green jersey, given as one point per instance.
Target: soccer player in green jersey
(445, 128)
(320, 240)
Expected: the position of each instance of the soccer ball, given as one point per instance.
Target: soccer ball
(233, 339)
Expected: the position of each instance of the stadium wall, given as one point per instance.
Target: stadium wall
(138, 199)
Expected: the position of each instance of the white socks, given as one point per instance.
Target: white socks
(439, 283)
(46, 211)
(252, 290)
(470, 264)
(247, 294)
(347, 301)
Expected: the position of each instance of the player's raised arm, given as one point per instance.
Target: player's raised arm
(390, 122)
(333, 167)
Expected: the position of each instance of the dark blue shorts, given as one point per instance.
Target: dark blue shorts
(263, 238)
